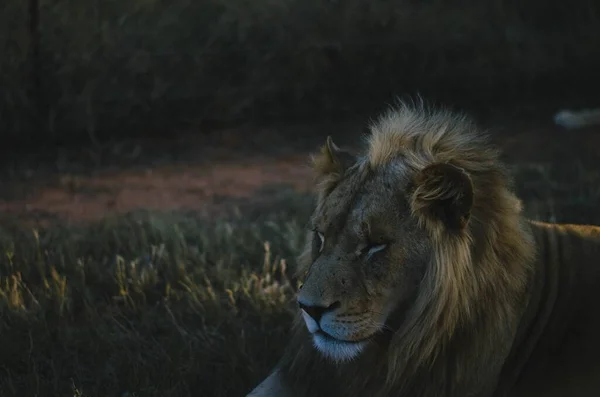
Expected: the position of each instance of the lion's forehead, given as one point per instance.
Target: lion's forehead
(358, 203)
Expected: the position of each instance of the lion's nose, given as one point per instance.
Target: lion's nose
(316, 312)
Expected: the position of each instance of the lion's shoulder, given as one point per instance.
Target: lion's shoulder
(586, 232)
(570, 250)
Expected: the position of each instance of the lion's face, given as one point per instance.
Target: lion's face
(367, 255)
(369, 250)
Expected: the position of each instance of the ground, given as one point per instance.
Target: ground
(160, 268)
(242, 167)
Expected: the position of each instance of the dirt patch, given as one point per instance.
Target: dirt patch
(227, 173)
(201, 188)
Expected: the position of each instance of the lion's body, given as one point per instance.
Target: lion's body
(560, 351)
(423, 278)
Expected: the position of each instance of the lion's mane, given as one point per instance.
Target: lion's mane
(469, 304)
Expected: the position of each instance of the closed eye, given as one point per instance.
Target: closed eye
(318, 240)
(372, 249)
(322, 241)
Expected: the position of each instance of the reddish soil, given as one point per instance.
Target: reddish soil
(192, 187)
(225, 172)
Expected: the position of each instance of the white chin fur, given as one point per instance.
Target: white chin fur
(337, 350)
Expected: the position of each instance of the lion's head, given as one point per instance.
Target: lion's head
(410, 245)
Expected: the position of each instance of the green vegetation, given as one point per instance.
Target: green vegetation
(172, 305)
(107, 66)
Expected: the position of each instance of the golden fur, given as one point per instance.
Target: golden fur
(424, 267)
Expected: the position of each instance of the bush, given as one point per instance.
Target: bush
(116, 66)
(16, 97)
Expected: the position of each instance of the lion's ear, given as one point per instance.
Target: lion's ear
(443, 193)
(331, 161)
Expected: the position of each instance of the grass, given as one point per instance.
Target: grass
(147, 304)
(163, 304)
(110, 68)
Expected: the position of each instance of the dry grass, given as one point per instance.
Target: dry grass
(171, 305)
(107, 66)
(152, 305)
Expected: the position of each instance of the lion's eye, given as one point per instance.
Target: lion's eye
(372, 249)
(321, 241)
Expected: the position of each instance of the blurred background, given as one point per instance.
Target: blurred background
(160, 148)
(87, 85)
(71, 69)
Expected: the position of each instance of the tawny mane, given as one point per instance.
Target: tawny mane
(476, 275)
(469, 299)
(423, 136)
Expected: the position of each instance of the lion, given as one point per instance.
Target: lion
(421, 277)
